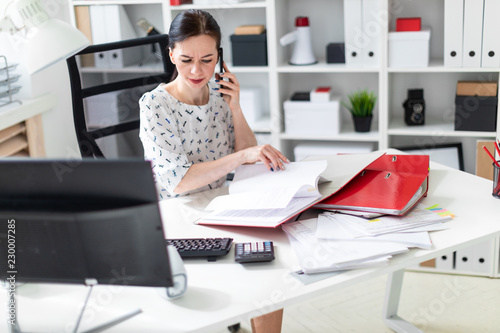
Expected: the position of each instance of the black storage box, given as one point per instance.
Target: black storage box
(335, 53)
(249, 50)
(476, 113)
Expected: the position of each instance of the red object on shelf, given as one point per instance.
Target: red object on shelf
(301, 21)
(408, 24)
(179, 2)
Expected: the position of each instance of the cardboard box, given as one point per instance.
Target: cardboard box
(409, 48)
(484, 164)
(308, 118)
(249, 50)
(476, 113)
(478, 88)
(250, 29)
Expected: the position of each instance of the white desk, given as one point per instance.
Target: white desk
(222, 293)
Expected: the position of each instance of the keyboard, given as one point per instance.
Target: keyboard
(209, 248)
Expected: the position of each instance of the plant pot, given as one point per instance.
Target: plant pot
(362, 124)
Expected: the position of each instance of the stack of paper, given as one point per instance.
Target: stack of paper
(323, 255)
(337, 241)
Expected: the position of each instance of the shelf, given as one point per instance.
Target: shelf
(436, 66)
(432, 127)
(150, 67)
(116, 2)
(242, 5)
(345, 135)
(323, 67)
(157, 67)
(13, 146)
(11, 132)
(280, 79)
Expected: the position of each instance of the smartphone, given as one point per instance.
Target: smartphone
(221, 64)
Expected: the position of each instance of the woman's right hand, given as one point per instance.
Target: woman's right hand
(270, 156)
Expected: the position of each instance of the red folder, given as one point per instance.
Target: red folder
(392, 184)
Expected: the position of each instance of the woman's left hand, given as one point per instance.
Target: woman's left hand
(229, 88)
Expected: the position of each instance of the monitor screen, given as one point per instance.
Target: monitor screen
(82, 220)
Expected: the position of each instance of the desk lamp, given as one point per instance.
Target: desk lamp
(46, 40)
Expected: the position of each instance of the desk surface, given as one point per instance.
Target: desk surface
(222, 293)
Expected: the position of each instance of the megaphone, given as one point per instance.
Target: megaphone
(302, 51)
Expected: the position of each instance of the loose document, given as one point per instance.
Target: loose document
(336, 241)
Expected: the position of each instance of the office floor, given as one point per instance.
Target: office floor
(433, 302)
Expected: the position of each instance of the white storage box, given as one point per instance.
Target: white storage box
(308, 118)
(303, 150)
(252, 105)
(409, 48)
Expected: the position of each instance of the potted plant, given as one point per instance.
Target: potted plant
(361, 104)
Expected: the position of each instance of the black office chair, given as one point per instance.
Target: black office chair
(87, 135)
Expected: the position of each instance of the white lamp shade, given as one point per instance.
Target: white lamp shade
(50, 42)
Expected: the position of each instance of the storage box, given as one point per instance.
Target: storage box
(320, 94)
(308, 118)
(479, 88)
(249, 50)
(335, 53)
(251, 104)
(409, 48)
(476, 113)
(408, 24)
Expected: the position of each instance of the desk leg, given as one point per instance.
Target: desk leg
(391, 305)
(268, 323)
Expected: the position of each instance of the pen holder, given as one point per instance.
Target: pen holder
(496, 180)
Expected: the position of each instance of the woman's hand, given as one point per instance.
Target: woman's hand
(230, 88)
(270, 156)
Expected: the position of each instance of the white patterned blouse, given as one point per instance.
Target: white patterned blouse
(176, 135)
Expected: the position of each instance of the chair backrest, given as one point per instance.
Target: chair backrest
(86, 134)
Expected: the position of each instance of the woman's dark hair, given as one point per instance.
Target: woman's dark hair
(190, 23)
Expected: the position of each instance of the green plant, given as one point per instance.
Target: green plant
(361, 103)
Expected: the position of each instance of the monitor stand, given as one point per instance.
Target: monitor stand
(13, 326)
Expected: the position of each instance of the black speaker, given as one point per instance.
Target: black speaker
(414, 107)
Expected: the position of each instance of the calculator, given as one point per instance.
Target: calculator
(254, 252)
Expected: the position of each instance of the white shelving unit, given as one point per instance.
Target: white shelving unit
(279, 80)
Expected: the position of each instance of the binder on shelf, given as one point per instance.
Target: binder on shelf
(491, 27)
(110, 23)
(392, 184)
(473, 33)
(371, 32)
(482, 260)
(353, 33)
(445, 262)
(464, 260)
(453, 32)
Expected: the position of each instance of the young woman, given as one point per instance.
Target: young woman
(193, 136)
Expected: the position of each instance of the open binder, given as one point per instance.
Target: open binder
(392, 184)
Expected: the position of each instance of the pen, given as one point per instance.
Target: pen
(497, 148)
(491, 156)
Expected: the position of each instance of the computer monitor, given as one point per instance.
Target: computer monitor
(82, 220)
